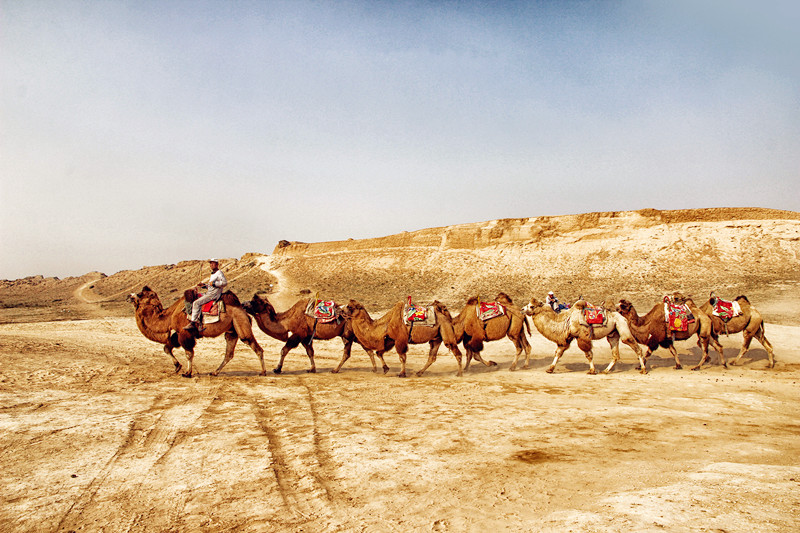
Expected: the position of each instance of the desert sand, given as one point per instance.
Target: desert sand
(100, 434)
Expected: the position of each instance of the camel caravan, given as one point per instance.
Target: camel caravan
(675, 318)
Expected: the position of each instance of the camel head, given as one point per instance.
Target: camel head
(624, 307)
(441, 308)
(146, 296)
(353, 308)
(503, 298)
(259, 305)
(535, 307)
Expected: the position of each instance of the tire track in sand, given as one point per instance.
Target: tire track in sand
(301, 459)
(116, 499)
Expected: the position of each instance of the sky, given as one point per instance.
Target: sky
(146, 133)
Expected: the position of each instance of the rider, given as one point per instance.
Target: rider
(553, 302)
(216, 285)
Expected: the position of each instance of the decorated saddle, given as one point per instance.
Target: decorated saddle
(594, 316)
(678, 316)
(489, 310)
(724, 309)
(323, 310)
(419, 315)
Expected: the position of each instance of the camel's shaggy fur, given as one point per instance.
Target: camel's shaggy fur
(473, 332)
(295, 327)
(750, 323)
(165, 326)
(565, 327)
(651, 329)
(391, 330)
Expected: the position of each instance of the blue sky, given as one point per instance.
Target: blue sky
(145, 133)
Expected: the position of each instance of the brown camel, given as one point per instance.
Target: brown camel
(165, 326)
(567, 326)
(295, 327)
(473, 332)
(749, 322)
(391, 330)
(651, 329)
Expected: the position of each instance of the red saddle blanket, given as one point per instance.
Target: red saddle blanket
(322, 310)
(488, 310)
(678, 316)
(211, 308)
(594, 315)
(725, 309)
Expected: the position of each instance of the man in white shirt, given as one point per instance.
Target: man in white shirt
(216, 285)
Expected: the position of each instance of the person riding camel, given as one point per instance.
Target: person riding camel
(554, 304)
(216, 285)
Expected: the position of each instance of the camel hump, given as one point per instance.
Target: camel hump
(503, 298)
(580, 304)
(743, 298)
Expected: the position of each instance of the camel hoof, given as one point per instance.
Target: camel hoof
(419, 374)
(401, 375)
(186, 375)
(492, 363)
(526, 366)
(606, 372)
(178, 367)
(311, 371)
(214, 374)
(512, 368)
(680, 367)
(334, 371)
(386, 370)
(550, 370)
(592, 372)
(276, 370)
(726, 366)
(696, 367)
(643, 371)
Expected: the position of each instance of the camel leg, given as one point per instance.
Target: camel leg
(380, 353)
(527, 347)
(638, 351)
(253, 344)
(402, 355)
(469, 358)
(674, 353)
(187, 342)
(292, 343)
(432, 353)
(348, 346)
(702, 343)
(519, 344)
(457, 354)
(586, 347)
(714, 341)
(480, 359)
(613, 341)
(559, 352)
(230, 345)
(310, 352)
(762, 338)
(178, 366)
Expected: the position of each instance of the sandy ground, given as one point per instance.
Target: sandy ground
(98, 434)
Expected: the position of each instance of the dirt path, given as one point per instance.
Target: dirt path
(99, 434)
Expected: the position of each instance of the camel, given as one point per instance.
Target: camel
(295, 327)
(391, 330)
(566, 326)
(651, 329)
(750, 323)
(473, 332)
(165, 326)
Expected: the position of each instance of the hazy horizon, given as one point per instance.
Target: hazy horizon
(148, 133)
